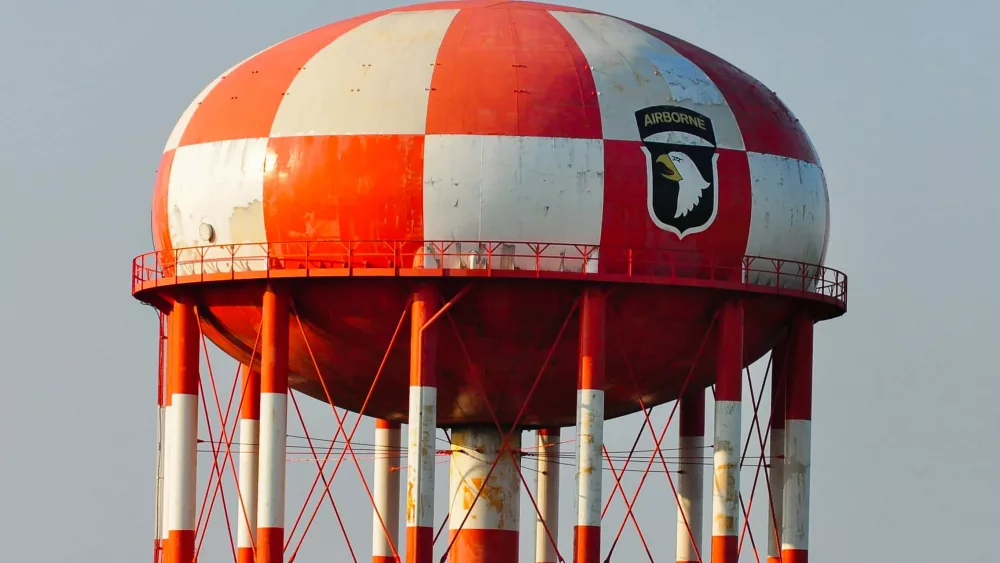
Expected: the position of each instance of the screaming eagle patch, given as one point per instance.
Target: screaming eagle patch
(682, 191)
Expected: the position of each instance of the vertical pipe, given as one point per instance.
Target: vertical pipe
(182, 431)
(590, 428)
(421, 430)
(798, 436)
(162, 454)
(386, 491)
(691, 478)
(273, 427)
(484, 529)
(728, 397)
(246, 507)
(547, 495)
(779, 366)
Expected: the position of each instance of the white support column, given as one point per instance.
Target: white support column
(422, 428)
(779, 367)
(728, 417)
(798, 445)
(273, 428)
(590, 428)
(691, 480)
(249, 440)
(547, 495)
(182, 432)
(385, 517)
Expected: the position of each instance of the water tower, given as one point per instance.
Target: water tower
(491, 217)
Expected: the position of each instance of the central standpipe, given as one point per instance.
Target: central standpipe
(246, 508)
(728, 395)
(779, 367)
(590, 428)
(547, 495)
(691, 478)
(484, 529)
(273, 427)
(421, 430)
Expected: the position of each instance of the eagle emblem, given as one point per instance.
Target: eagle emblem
(680, 148)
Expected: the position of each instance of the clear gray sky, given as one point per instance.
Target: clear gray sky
(899, 98)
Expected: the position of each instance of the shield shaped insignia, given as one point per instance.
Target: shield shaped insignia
(682, 191)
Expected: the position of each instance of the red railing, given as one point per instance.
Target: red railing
(509, 259)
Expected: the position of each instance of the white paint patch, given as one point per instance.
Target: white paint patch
(168, 470)
(374, 79)
(589, 461)
(691, 494)
(726, 483)
(517, 190)
(183, 469)
(798, 459)
(385, 491)
(246, 502)
(219, 184)
(777, 480)
(787, 220)
(421, 445)
(634, 70)
(273, 429)
(473, 451)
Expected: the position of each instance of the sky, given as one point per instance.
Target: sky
(898, 97)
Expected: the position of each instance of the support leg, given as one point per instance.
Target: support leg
(798, 449)
(421, 431)
(728, 397)
(779, 365)
(246, 507)
(386, 491)
(182, 431)
(590, 428)
(490, 533)
(691, 480)
(547, 495)
(273, 427)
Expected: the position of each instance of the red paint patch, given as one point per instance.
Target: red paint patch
(512, 71)
(348, 188)
(627, 224)
(160, 210)
(767, 125)
(245, 101)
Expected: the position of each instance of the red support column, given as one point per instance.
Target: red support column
(386, 492)
(246, 508)
(798, 446)
(590, 428)
(691, 480)
(421, 430)
(728, 397)
(182, 430)
(779, 367)
(273, 427)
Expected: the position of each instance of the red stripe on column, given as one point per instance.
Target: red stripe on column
(725, 548)
(274, 342)
(729, 360)
(245, 555)
(692, 414)
(767, 125)
(419, 544)
(799, 383)
(795, 556)
(423, 343)
(366, 187)
(270, 545)
(383, 424)
(179, 547)
(183, 349)
(160, 219)
(586, 544)
(383, 559)
(244, 103)
(592, 340)
(508, 70)
(250, 402)
(626, 222)
(483, 546)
